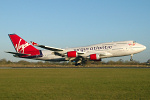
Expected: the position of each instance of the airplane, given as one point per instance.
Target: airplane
(79, 55)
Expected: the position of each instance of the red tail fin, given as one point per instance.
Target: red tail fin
(22, 46)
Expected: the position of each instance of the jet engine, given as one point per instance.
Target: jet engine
(95, 57)
(72, 54)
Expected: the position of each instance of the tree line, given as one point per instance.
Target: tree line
(119, 62)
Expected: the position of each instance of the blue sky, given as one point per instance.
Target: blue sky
(72, 23)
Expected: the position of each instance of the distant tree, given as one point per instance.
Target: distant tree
(3, 61)
(23, 62)
(39, 63)
(132, 62)
(148, 62)
(9, 62)
(111, 62)
(120, 62)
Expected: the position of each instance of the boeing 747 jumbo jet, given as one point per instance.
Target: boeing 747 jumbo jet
(79, 54)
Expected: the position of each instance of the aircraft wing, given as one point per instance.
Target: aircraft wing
(50, 48)
(47, 47)
(57, 51)
(18, 54)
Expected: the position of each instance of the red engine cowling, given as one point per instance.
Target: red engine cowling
(95, 57)
(72, 54)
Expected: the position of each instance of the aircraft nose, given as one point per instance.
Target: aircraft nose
(142, 47)
(139, 47)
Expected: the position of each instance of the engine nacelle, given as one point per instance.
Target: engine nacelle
(72, 54)
(95, 57)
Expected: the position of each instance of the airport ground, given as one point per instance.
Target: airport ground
(75, 83)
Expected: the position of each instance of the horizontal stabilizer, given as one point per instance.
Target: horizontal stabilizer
(18, 54)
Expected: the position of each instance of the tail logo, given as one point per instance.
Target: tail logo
(20, 47)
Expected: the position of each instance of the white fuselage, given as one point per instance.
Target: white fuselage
(112, 49)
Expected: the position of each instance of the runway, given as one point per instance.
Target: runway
(148, 67)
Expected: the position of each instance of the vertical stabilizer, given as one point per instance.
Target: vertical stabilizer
(21, 46)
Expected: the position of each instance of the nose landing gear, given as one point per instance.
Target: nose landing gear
(131, 57)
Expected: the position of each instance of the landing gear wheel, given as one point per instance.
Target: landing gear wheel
(76, 64)
(131, 59)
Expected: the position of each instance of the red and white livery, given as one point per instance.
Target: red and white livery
(79, 54)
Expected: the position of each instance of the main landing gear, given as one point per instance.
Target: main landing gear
(80, 61)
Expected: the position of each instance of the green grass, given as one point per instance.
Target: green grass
(74, 84)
